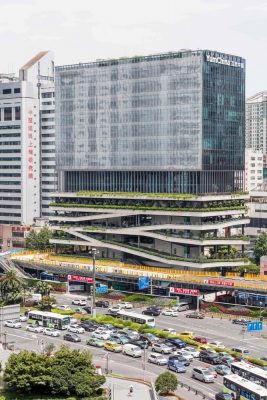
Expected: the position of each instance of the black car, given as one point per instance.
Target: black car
(141, 343)
(195, 315)
(175, 343)
(209, 358)
(223, 396)
(180, 359)
(88, 309)
(151, 311)
(89, 326)
(72, 337)
(240, 321)
(102, 303)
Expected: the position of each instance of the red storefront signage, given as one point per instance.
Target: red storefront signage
(219, 283)
(191, 292)
(78, 278)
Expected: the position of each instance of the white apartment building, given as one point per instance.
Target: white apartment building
(253, 169)
(27, 145)
(256, 122)
(257, 213)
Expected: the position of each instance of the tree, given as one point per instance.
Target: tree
(11, 287)
(260, 248)
(43, 287)
(166, 382)
(67, 373)
(46, 303)
(39, 240)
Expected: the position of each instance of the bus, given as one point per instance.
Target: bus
(139, 318)
(49, 319)
(250, 372)
(242, 389)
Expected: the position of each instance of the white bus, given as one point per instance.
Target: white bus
(250, 372)
(242, 389)
(49, 319)
(139, 318)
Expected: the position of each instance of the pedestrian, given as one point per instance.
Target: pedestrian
(130, 390)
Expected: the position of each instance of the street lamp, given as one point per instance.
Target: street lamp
(94, 252)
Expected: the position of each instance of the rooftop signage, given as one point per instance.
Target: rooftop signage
(224, 61)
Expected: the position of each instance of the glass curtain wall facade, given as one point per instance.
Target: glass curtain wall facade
(151, 124)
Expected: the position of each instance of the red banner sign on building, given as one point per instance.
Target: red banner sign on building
(78, 278)
(219, 283)
(191, 292)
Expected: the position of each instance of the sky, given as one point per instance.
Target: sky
(86, 30)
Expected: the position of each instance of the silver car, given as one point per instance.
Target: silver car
(34, 328)
(12, 324)
(157, 359)
(161, 348)
(51, 332)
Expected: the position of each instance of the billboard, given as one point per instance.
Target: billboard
(78, 278)
(191, 292)
(218, 283)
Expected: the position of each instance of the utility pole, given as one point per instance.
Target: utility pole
(107, 363)
(94, 252)
(144, 364)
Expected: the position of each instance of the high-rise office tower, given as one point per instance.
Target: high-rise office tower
(163, 123)
(27, 145)
(256, 122)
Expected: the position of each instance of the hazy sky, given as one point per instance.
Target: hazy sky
(83, 30)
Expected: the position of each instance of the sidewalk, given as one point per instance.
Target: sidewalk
(120, 389)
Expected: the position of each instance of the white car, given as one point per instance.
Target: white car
(51, 332)
(101, 335)
(126, 305)
(170, 330)
(193, 351)
(23, 318)
(79, 302)
(217, 344)
(186, 354)
(157, 359)
(64, 307)
(75, 328)
(34, 328)
(114, 308)
(170, 313)
(12, 324)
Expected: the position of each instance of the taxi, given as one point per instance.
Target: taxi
(189, 335)
(113, 346)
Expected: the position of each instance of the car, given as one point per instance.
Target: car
(126, 305)
(132, 350)
(114, 309)
(222, 369)
(206, 349)
(89, 326)
(264, 358)
(88, 309)
(209, 358)
(64, 307)
(101, 335)
(187, 334)
(195, 315)
(200, 339)
(102, 303)
(202, 374)
(171, 313)
(75, 328)
(181, 359)
(188, 356)
(240, 321)
(176, 366)
(170, 330)
(175, 343)
(113, 346)
(51, 332)
(217, 344)
(149, 338)
(223, 396)
(102, 329)
(131, 333)
(157, 359)
(81, 310)
(213, 371)
(161, 348)
(241, 350)
(95, 342)
(181, 307)
(140, 343)
(79, 302)
(34, 328)
(118, 338)
(227, 360)
(12, 323)
(72, 337)
(193, 351)
(109, 327)
(23, 318)
(150, 311)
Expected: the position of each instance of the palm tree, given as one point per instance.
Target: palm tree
(43, 287)
(11, 287)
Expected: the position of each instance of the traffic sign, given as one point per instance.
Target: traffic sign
(143, 282)
(102, 289)
(254, 326)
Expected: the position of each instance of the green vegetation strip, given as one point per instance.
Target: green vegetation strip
(120, 323)
(148, 208)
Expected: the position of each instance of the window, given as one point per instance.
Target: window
(6, 91)
(7, 114)
(17, 113)
(17, 90)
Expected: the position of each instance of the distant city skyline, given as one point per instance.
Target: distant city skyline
(84, 31)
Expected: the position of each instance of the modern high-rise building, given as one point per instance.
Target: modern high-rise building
(253, 170)
(27, 147)
(256, 122)
(170, 123)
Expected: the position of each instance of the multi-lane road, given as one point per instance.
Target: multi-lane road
(213, 329)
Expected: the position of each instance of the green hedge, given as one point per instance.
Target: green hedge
(63, 312)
